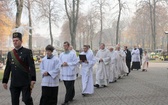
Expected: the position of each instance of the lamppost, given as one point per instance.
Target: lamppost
(166, 32)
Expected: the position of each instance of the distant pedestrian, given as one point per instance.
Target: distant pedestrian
(145, 62)
(128, 59)
(141, 53)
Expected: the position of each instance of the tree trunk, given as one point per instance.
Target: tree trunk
(151, 19)
(101, 23)
(80, 41)
(87, 36)
(73, 19)
(82, 38)
(30, 25)
(118, 23)
(154, 24)
(19, 6)
(167, 42)
(50, 27)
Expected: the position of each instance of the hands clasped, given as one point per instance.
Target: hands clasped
(64, 64)
(84, 61)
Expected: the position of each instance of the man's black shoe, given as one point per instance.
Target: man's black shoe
(104, 86)
(96, 85)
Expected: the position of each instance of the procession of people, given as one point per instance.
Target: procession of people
(111, 63)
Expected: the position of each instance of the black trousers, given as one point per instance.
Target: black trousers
(70, 90)
(26, 95)
(136, 65)
(128, 63)
(49, 95)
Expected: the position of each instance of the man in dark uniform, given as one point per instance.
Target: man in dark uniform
(141, 53)
(21, 66)
(128, 59)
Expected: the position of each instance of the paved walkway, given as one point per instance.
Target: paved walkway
(139, 88)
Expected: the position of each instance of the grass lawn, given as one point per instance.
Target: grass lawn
(156, 61)
(1, 74)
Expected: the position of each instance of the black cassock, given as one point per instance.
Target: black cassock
(128, 59)
(49, 95)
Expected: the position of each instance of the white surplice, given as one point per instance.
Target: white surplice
(87, 73)
(113, 74)
(77, 70)
(135, 55)
(52, 67)
(145, 60)
(68, 72)
(121, 63)
(102, 71)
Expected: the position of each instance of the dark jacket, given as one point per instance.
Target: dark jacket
(20, 77)
(128, 55)
(141, 52)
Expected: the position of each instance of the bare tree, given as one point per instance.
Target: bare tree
(118, 21)
(142, 25)
(30, 24)
(28, 6)
(73, 19)
(121, 6)
(4, 9)
(152, 9)
(100, 6)
(48, 12)
(19, 6)
(81, 30)
(91, 16)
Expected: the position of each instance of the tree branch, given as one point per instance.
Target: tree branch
(66, 10)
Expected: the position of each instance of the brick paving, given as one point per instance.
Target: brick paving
(139, 88)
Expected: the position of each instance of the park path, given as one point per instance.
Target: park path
(139, 88)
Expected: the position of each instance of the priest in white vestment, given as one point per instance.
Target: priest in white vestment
(113, 74)
(135, 58)
(68, 61)
(102, 71)
(87, 71)
(121, 63)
